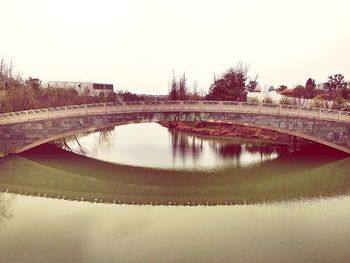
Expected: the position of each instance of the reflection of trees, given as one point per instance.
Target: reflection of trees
(267, 148)
(5, 205)
(235, 149)
(183, 144)
(64, 143)
(261, 148)
(103, 139)
(226, 150)
(105, 136)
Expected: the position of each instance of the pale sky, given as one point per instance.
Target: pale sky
(136, 44)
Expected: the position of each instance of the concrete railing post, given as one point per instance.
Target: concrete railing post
(299, 111)
(163, 105)
(239, 106)
(339, 114)
(8, 117)
(319, 113)
(182, 105)
(66, 110)
(201, 105)
(259, 107)
(279, 109)
(124, 106)
(85, 109)
(27, 115)
(105, 107)
(143, 106)
(47, 113)
(221, 106)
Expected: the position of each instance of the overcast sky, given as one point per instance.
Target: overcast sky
(137, 44)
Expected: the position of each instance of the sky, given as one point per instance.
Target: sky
(136, 45)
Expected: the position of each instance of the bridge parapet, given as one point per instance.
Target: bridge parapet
(174, 106)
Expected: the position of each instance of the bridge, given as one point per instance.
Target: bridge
(20, 131)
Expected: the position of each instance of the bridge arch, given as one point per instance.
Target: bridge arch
(23, 134)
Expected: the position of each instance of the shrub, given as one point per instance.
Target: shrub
(286, 101)
(267, 100)
(340, 104)
(318, 102)
(253, 99)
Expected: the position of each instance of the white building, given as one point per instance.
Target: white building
(324, 86)
(260, 96)
(90, 88)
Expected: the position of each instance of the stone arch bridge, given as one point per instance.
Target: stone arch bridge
(20, 131)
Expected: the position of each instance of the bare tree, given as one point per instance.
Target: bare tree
(335, 83)
(183, 90)
(173, 92)
(252, 84)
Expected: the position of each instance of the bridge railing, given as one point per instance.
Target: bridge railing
(174, 106)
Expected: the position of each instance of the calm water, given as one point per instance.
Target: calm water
(179, 198)
(150, 145)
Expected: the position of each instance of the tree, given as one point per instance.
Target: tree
(194, 95)
(231, 85)
(318, 102)
(339, 103)
(299, 93)
(178, 89)
(335, 84)
(252, 84)
(173, 92)
(20, 98)
(128, 96)
(310, 88)
(345, 93)
(281, 88)
(183, 88)
(111, 97)
(271, 88)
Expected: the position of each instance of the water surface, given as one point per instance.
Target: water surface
(151, 145)
(205, 203)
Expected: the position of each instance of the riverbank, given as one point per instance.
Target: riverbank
(227, 130)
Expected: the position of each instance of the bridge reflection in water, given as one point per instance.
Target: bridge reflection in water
(66, 175)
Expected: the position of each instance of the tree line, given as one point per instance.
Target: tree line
(179, 89)
(234, 85)
(17, 94)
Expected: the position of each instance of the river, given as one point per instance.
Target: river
(140, 193)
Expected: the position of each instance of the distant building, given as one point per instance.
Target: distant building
(90, 88)
(324, 86)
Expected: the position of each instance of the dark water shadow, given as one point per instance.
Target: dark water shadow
(313, 172)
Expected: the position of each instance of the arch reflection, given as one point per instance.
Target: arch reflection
(55, 173)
